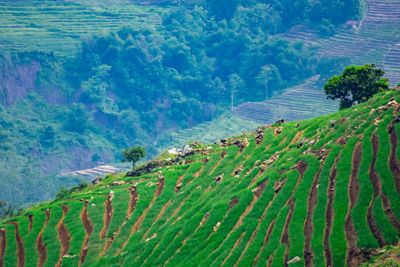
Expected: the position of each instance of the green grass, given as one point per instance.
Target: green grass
(197, 226)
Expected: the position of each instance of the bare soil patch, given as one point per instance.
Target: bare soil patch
(88, 225)
(63, 235)
(3, 245)
(234, 247)
(308, 225)
(285, 233)
(266, 239)
(393, 161)
(329, 214)
(353, 192)
(376, 182)
(20, 246)
(30, 218)
(40, 246)
(107, 216)
(373, 226)
(139, 222)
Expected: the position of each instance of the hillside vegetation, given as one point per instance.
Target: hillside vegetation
(325, 190)
(81, 80)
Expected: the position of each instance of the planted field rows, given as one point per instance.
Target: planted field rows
(323, 192)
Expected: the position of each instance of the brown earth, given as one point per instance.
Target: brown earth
(107, 216)
(308, 226)
(389, 213)
(223, 154)
(376, 182)
(353, 192)
(160, 214)
(64, 236)
(329, 214)
(132, 204)
(234, 247)
(20, 246)
(139, 222)
(3, 245)
(233, 202)
(393, 161)
(30, 218)
(179, 184)
(266, 239)
(88, 225)
(253, 235)
(40, 246)
(285, 233)
(373, 226)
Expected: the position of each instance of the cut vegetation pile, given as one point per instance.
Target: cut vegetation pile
(319, 192)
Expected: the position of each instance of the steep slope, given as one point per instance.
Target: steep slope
(375, 38)
(322, 192)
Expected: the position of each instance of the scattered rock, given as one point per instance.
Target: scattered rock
(215, 228)
(237, 171)
(278, 185)
(218, 179)
(332, 123)
(278, 130)
(294, 260)
(301, 143)
(280, 121)
(224, 140)
(297, 125)
(260, 136)
(151, 237)
(117, 183)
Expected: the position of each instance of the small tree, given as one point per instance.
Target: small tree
(356, 84)
(133, 154)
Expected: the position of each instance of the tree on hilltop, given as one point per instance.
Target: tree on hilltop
(133, 154)
(356, 84)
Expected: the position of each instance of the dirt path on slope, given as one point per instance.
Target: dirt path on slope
(40, 246)
(133, 198)
(353, 192)
(389, 213)
(376, 182)
(308, 225)
(257, 192)
(202, 222)
(160, 214)
(377, 185)
(30, 218)
(373, 226)
(329, 214)
(178, 185)
(266, 240)
(223, 154)
(285, 232)
(88, 225)
(393, 161)
(253, 235)
(234, 247)
(109, 211)
(20, 246)
(64, 236)
(3, 245)
(139, 222)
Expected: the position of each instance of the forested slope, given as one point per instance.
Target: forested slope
(325, 190)
(81, 80)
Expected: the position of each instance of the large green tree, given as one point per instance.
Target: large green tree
(356, 84)
(133, 154)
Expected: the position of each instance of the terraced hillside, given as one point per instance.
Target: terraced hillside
(375, 39)
(59, 26)
(322, 192)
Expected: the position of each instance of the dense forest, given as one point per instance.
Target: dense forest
(134, 85)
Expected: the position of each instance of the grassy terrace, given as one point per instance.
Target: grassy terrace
(261, 201)
(59, 26)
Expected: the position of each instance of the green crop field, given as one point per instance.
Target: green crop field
(322, 192)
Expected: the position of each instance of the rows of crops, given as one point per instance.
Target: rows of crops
(323, 191)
